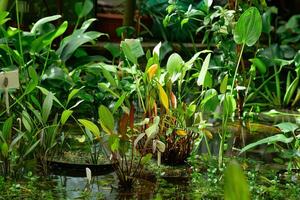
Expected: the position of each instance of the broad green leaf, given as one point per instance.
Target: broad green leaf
(91, 127)
(223, 86)
(229, 104)
(7, 128)
(174, 66)
(163, 97)
(46, 39)
(109, 78)
(43, 21)
(132, 49)
(65, 116)
(271, 139)
(146, 159)
(83, 9)
(236, 186)
(77, 41)
(33, 81)
(4, 150)
(202, 74)
(114, 142)
(248, 28)
(3, 15)
(259, 64)
(153, 128)
(47, 106)
(287, 127)
(26, 120)
(106, 119)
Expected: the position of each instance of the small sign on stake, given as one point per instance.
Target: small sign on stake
(9, 80)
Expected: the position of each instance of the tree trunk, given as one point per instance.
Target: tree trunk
(129, 11)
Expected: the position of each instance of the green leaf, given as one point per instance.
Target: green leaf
(106, 119)
(132, 49)
(83, 9)
(106, 88)
(229, 104)
(287, 127)
(3, 15)
(4, 150)
(236, 186)
(47, 106)
(43, 21)
(91, 127)
(26, 120)
(72, 94)
(7, 128)
(33, 81)
(65, 116)
(259, 64)
(223, 86)
(290, 92)
(119, 102)
(202, 74)
(146, 159)
(248, 28)
(174, 66)
(271, 139)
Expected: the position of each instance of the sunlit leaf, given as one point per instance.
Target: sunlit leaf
(163, 97)
(202, 74)
(65, 116)
(90, 126)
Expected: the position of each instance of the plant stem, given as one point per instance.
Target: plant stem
(19, 32)
(236, 68)
(278, 92)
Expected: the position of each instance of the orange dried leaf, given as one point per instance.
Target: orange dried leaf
(163, 97)
(181, 132)
(152, 71)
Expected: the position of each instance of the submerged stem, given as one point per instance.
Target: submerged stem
(236, 68)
